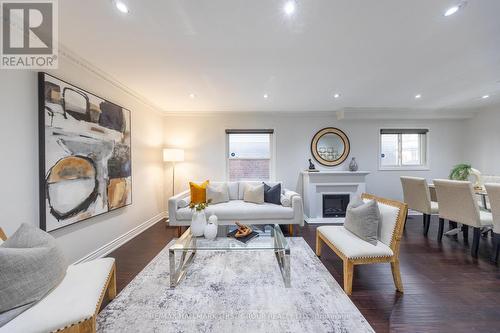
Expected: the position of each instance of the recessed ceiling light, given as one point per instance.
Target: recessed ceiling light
(289, 7)
(192, 96)
(121, 7)
(336, 95)
(418, 96)
(485, 96)
(266, 96)
(452, 10)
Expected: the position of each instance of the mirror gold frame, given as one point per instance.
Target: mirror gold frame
(319, 135)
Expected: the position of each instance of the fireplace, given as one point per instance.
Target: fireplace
(335, 205)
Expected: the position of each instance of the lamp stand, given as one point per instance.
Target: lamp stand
(173, 178)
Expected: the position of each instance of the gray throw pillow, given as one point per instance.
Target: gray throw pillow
(362, 219)
(31, 266)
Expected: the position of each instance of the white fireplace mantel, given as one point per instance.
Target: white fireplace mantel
(315, 184)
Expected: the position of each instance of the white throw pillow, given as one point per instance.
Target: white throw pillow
(285, 201)
(254, 193)
(217, 193)
(184, 202)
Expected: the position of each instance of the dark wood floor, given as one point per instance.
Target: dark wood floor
(446, 290)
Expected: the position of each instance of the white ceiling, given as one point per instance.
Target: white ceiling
(229, 53)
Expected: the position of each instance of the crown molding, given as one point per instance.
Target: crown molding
(73, 58)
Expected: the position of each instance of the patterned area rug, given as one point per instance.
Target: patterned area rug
(235, 291)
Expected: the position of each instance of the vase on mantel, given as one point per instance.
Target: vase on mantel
(198, 223)
(353, 166)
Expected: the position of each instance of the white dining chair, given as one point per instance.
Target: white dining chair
(493, 191)
(457, 203)
(418, 198)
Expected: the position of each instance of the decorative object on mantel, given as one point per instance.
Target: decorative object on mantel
(312, 167)
(211, 228)
(199, 220)
(463, 171)
(330, 146)
(353, 166)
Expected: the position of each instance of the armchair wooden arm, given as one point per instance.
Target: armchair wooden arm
(2, 235)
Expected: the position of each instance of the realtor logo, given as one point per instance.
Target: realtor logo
(29, 34)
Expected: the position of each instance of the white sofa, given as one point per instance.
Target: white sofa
(238, 210)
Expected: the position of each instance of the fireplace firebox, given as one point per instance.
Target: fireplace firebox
(335, 205)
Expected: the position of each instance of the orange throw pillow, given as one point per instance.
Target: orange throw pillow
(198, 192)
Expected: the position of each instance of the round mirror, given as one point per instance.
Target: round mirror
(330, 146)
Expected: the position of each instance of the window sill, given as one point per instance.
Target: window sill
(408, 168)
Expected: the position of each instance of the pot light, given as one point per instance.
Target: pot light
(485, 96)
(289, 7)
(266, 96)
(418, 96)
(336, 95)
(122, 7)
(452, 10)
(192, 96)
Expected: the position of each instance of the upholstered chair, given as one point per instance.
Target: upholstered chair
(494, 196)
(417, 196)
(457, 203)
(356, 251)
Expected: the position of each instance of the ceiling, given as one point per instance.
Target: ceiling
(229, 53)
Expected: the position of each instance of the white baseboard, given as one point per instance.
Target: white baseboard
(117, 242)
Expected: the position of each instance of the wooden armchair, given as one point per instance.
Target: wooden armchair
(355, 251)
(72, 307)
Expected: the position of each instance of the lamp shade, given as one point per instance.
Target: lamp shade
(173, 155)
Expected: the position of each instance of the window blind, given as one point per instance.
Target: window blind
(404, 131)
(250, 131)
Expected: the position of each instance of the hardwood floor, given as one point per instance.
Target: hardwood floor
(446, 290)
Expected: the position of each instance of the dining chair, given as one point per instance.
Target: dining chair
(457, 203)
(417, 196)
(493, 191)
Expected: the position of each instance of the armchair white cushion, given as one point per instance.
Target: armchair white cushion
(75, 301)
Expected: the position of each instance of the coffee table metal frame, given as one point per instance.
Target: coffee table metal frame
(187, 245)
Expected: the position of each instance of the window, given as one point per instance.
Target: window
(249, 154)
(403, 148)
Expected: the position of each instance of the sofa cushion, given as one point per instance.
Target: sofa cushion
(254, 193)
(74, 300)
(272, 194)
(217, 193)
(184, 202)
(241, 187)
(32, 254)
(241, 210)
(362, 219)
(351, 245)
(198, 192)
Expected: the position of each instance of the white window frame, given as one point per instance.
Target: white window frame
(272, 142)
(425, 157)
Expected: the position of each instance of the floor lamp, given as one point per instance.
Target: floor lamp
(173, 155)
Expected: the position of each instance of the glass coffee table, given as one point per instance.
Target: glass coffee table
(270, 238)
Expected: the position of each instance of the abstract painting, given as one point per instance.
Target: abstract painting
(85, 154)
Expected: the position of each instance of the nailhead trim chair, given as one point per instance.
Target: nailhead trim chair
(494, 196)
(457, 203)
(355, 251)
(72, 307)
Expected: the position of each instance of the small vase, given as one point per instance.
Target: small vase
(353, 166)
(211, 228)
(198, 223)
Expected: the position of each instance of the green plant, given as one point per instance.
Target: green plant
(201, 206)
(460, 171)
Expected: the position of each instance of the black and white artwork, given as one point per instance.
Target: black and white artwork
(85, 154)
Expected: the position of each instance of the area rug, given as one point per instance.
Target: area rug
(235, 291)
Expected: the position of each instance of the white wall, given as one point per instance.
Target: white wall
(19, 160)
(482, 147)
(203, 138)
